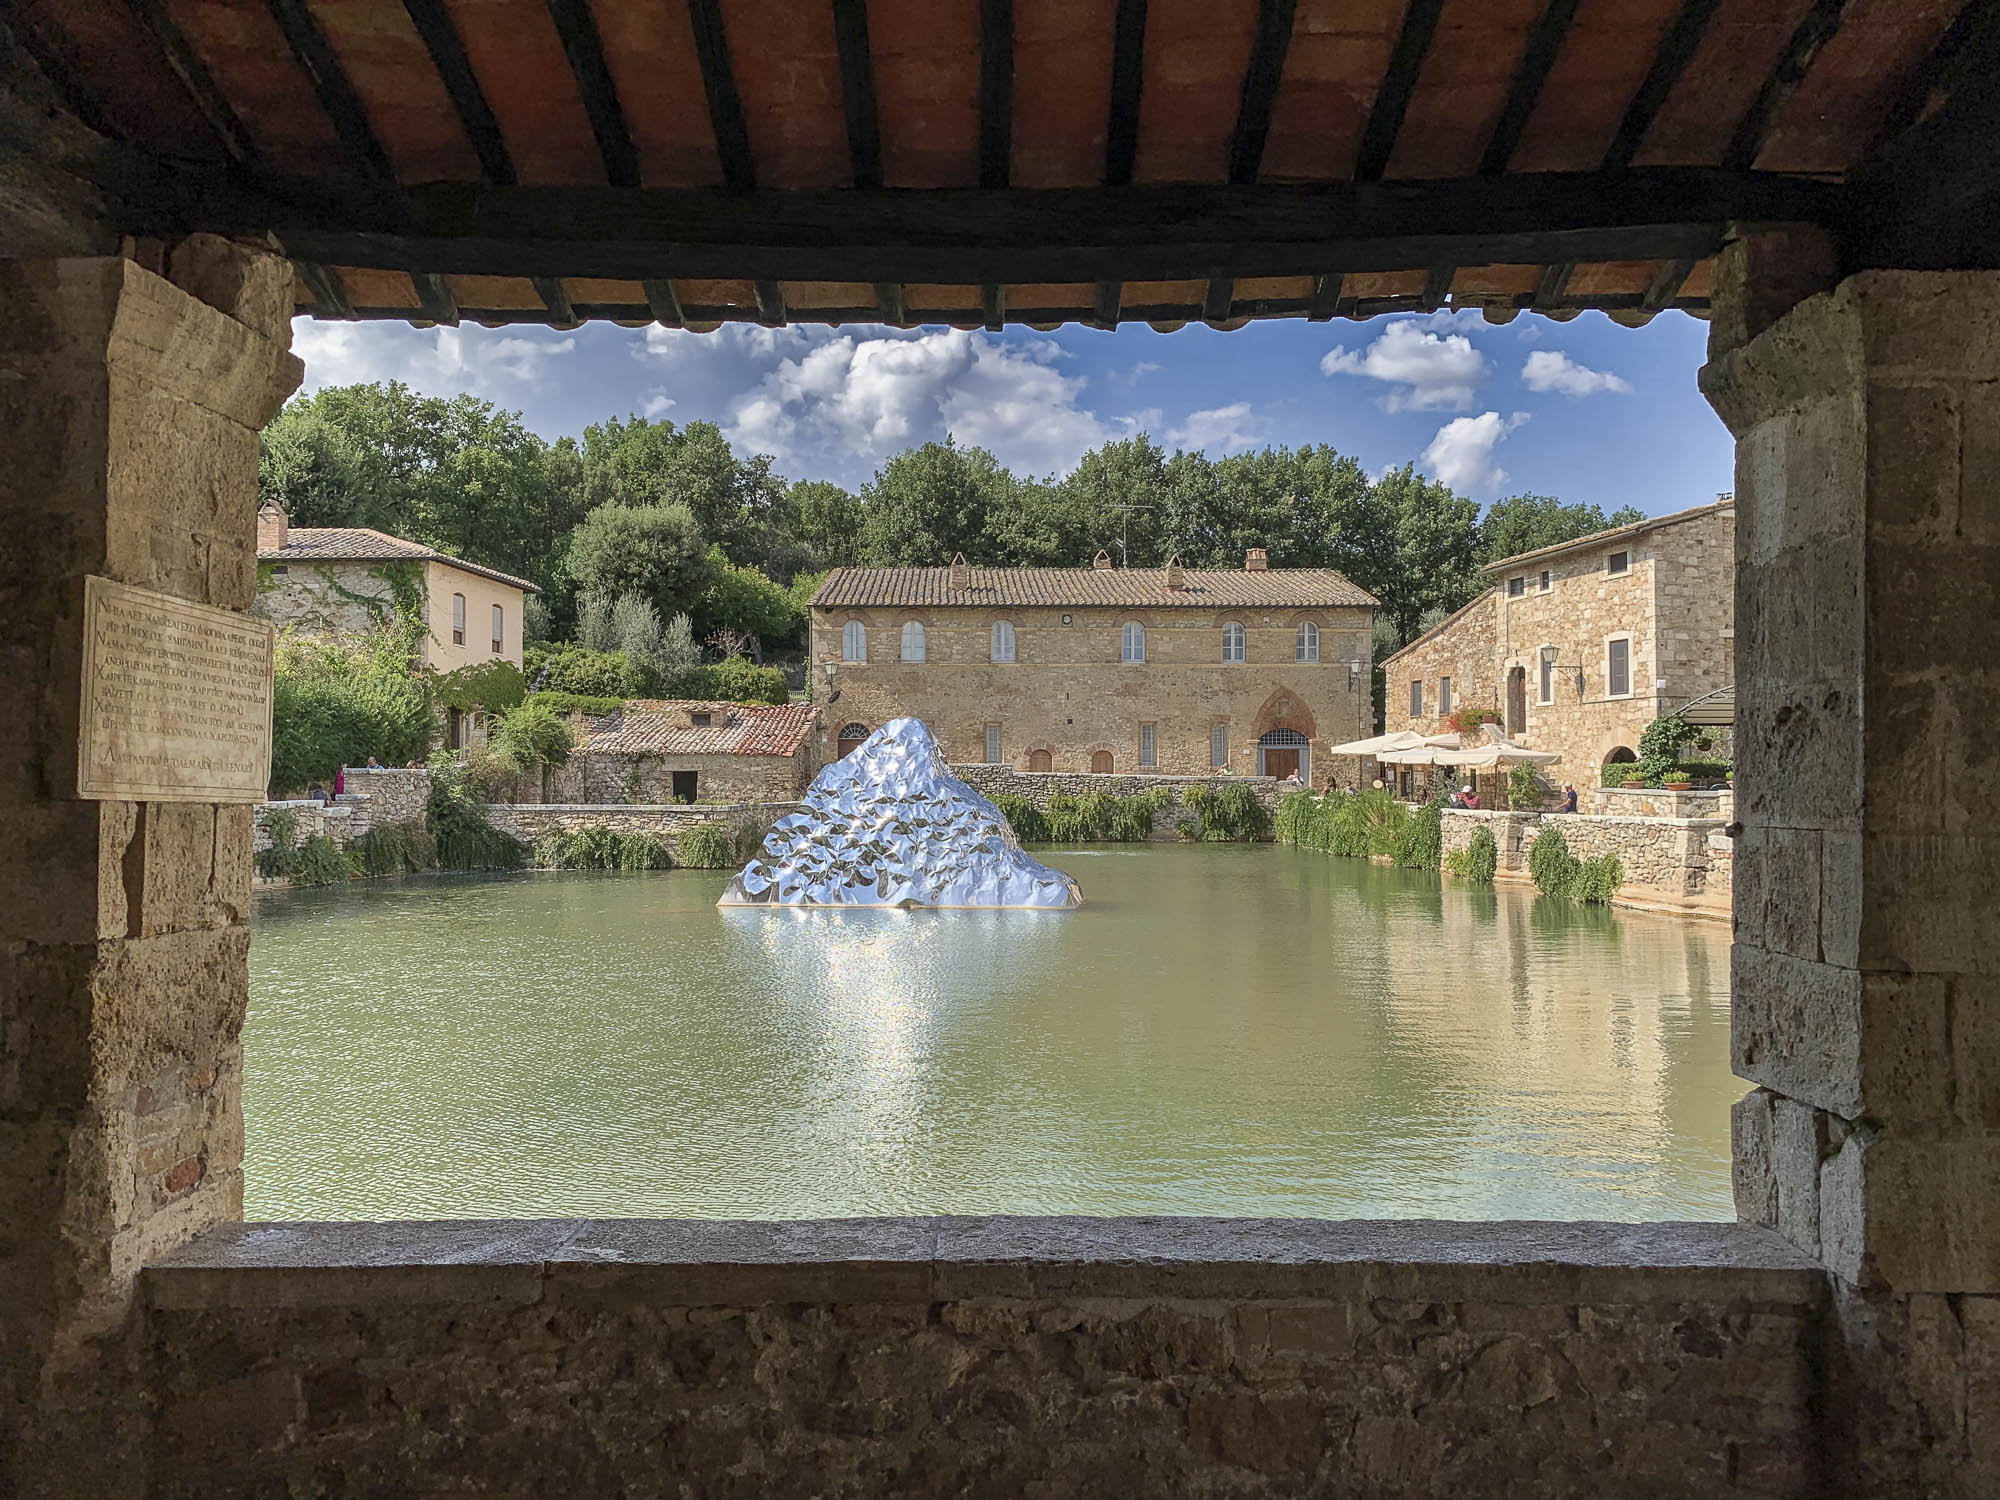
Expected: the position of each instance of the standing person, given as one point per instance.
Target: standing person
(1569, 798)
(339, 780)
(1467, 797)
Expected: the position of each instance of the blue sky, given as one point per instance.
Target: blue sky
(1583, 410)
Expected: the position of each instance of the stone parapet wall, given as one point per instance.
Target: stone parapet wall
(1038, 787)
(1676, 856)
(531, 820)
(1654, 802)
(396, 794)
(343, 821)
(1246, 1358)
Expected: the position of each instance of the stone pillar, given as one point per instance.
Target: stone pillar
(1866, 973)
(131, 404)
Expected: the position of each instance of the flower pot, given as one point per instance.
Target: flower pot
(1677, 786)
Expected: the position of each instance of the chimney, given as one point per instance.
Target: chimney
(1254, 561)
(959, 573)
(1175, 578)
(272, 526)
(1102, 562)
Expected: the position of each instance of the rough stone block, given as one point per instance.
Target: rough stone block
(1795, 1027)
(1798, 1140)
(1913, 1215)
(252, 286)
(1790, 881)
(1912, 466)
(1926, 322)
(1979, 464)
(1753, 1173)
(1928, 903)
(178, 866)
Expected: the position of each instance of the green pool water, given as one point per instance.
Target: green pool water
(1221, 1029)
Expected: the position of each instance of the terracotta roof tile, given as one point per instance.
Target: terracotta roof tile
(1201, 587)
(359, 544)
(660, 726)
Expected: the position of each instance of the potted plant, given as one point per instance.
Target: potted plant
(1677, 781)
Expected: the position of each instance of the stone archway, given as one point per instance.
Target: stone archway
(1285, 709)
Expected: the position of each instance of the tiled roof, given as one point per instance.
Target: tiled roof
(359, 544)
(659, 726)
(1147, 587)
(1612, 534)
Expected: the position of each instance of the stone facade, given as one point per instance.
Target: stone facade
(1671, 604)
(988, 1357)
(1068, 702)
(593, 777)
(682, 750)
(530, 820)
(1661, 857)
(1038, 786)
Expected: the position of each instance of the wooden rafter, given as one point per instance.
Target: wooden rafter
(461, 85)
(1945, 63)
(1666, 285)
(1392, 99)
(334, 89)
(198, 81)
(585, 51)
(1544, 42)
(857, 92)
(1260, 88)
(1555, 281)
(1105, 307)
(993, 307)
(1128, 77)
(770, 304)
(889, 299)
(556, 300)
(438, 303)
(1437, 287)
(1811, 34)
(663, 302)
(1676, 51)
(54, 53)
(329, 293)
(996, 92)
(1218, 297)
(1325, 298)
(725, 105)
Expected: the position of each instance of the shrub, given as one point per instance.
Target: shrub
(1026, 819)
(335, 706)
(1477, 860)
(1468, 720)
(319, 861)
(736, 680)
(1707, 769)
(489, 776)
(534, 737)
(1559, 873)
(1524, 788)
(1233, 813)
(494, 686)
(1420, 842)
(578, 703)
(598, 847)
(465, 840)
(1295, 820)
(394, 849)
(705, 847)
(282, 825)
(589, 674)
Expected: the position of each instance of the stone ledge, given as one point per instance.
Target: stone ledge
(691, 1262)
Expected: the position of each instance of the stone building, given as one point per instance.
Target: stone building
(1578, 647)
(677, 750)
(349, 580)
(1098, 669)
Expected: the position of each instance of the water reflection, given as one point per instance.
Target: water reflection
(1219, 1030)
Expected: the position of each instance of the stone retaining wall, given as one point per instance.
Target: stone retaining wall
(1038, 786)
(1240, 1358)
(396, 794)
(342, 820)
(1675, 856)
(530, 820)
(1654, 802)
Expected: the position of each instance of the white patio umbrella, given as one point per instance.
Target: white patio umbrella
(1382, 744)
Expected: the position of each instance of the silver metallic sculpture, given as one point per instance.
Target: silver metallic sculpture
(889, 825)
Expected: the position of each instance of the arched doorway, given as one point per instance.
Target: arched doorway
(1100, 762)
(1040, 760)
(1622, 756)
(1284, 752)
(1517, 701)
(851, 736)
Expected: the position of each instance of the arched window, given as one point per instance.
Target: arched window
(1305, 642)
(851, 736)
(1040, 760)
(1100, 763)
(854, 641)
(1003, 641)
(1232, 642)
(913, 640)
(1133, 647)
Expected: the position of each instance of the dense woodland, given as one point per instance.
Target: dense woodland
(671, 515)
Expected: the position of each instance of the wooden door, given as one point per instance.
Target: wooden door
(1038, 760)
(1280, 763)
(851, 738)
(1100, 762)
(1517, 701)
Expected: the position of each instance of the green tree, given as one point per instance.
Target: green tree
(734, 501)
(1425, 557)
(656, 551)
(745, 601)
(533, 737)
(1523, 523)
(826, 520)
(927, 503)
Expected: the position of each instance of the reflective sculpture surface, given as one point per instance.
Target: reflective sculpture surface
(889, 825)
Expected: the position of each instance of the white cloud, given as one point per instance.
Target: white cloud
(436, 361)
(1231, 428)
(852, 396)
(658, 403)
(1432, 371)
(1461, 455)
(1552, 370)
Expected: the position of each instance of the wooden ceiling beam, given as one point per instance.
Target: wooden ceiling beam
(199, 82)
(560, 313)
(1128, 77)
(1105, 304)
(1666, 285)
(1392, 99)
(1217, 299)
(1940, 70)
(329, 292)
(438, 303)
(996, 93)
(333, 88)
(1082, 235)
(461, 85)
(663, 302)
(1555, 281)
(1754, 129)
(857, 92)
(585, 50)
(725, 104)
(889, 300)
(993, 307)
(1676, 51)
(770, 303)
(1325, 298)
(1260, 88)
(1544, 42)
(1437, 286)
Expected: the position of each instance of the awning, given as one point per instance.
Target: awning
(1716, 710)
(1483, 758)
(1401, 739)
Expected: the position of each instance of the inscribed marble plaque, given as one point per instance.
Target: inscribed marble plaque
(176, 699)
